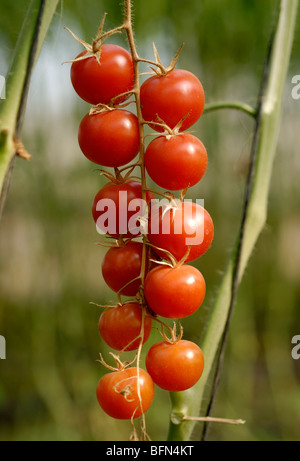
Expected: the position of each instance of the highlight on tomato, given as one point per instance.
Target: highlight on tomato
(175, 366)
(118, 396)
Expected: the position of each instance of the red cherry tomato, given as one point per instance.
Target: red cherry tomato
(172, 97)
(109, 138)
(120, 325)
(99, 83)
(117, 393)
(176, 162)
(116, 208)
(122, 264)
(188, 227)
(175, 367)
(174, 292)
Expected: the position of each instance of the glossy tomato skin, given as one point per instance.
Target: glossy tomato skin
(175, 367)
(174, 292)
(176, 162)
(122, 264)
(117, 393)
(120, 196)
(109, 138)
(189, 225)
(120, 325)
(96, 83)
(172, 97)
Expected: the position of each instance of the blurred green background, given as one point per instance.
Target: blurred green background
(50, 264)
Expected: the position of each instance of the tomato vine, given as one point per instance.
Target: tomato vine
(173, 232)
(170, 101)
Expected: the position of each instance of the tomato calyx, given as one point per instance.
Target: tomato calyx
(160, 69)
(118, 304)
(90, 50)
(113, 104)
(168, 131)
(99, 108)
(118, 178)
(174, 337)
(120, 366)
(94, 49)
(172, 260)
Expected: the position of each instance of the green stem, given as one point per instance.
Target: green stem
(29, 44)
(182, 405)
(254, 217)
(230, 105)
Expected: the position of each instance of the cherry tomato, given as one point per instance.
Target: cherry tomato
(117, 206)
(120, 325)
(174, 292)
(117, 393)
(176, 162)
(172, 97)
(175, 367)
(188, 227)
(99, 83)
(122, 264)
(109, 138)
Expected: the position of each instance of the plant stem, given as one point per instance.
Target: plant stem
(135, 58)
(214, 420)
(254, 215)
(30, 40)
(230, 105)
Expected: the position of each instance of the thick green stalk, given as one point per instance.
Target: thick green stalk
(29, 44)
(254, 218)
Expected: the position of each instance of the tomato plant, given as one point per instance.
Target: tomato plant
(99, 143)
(117, 393)
(176, 162)
(172, 97)
(119, 326)
(103, 76)
(175, 366)
(174, 292)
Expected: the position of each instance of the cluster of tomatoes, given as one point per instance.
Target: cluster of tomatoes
(177, 232)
